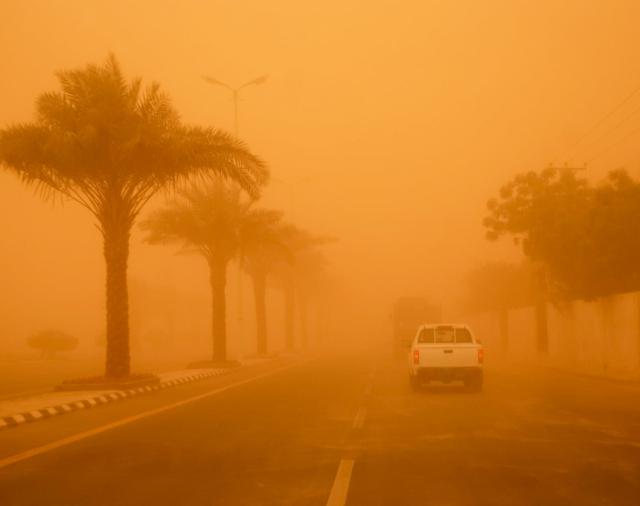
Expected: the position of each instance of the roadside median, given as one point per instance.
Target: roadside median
(31, 408)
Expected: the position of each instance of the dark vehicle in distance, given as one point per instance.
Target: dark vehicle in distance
(408, 314)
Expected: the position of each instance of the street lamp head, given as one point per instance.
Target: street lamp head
(235, 92)
(215, 82)
(257, 81)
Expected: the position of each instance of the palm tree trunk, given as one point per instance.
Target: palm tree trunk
(116, 254)
(503, 319)
(304, 331)
(218, 280)
(289, 314)
(259, 295)
(542, 332)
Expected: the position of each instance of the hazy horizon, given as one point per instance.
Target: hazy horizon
(385, 126)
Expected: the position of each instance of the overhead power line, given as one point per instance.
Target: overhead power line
(602, 120)
(612, 129)
(615, 144)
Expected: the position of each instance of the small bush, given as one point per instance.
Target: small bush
(50, 342)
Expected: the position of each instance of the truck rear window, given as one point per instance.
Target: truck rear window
(426, 336)
(463, 336)
(444, 335)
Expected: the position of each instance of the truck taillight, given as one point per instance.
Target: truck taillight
(480, 355)
(416, 356)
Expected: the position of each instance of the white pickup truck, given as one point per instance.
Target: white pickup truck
(446, 353)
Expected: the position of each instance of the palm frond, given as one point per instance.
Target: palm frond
(207, 218)
(101, 138)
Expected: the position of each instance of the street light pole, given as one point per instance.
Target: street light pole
(235, 92)
(235, 113)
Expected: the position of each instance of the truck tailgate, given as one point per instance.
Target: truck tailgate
(448, 355)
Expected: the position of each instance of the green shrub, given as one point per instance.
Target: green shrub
(50, 342)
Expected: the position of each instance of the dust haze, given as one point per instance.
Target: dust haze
(386, 128)
(391, 126)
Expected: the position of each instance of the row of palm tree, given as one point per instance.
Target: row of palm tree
(111, 145)
(217, 222)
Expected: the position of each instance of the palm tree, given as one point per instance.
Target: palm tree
(301, 246)
(208, 220)
(263, 242)
(309, 273)
(110, 145)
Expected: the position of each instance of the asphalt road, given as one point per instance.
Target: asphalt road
(332, 430)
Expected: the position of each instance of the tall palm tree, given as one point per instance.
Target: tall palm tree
(208, 220)
(301, 245)
(263, 242)
(309, 271)
(110, 145)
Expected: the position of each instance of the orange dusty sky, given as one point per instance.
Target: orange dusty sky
(387, 124)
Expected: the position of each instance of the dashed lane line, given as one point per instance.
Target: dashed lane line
(358, 423)
(340, 488)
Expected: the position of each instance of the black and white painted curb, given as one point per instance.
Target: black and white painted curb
(8, 422)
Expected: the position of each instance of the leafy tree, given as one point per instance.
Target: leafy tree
(208, 220)
(50, 342)
(110, 145)
(546, 214)
(614, 244)
(499, 286)
(581, 238)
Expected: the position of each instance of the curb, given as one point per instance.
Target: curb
(9, 422)
(623, 380)
(633, 380)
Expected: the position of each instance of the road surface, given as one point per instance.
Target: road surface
(344, 430)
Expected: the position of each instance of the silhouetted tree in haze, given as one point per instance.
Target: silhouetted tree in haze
(110, 145)
(263, 245)
(615, 238)
(582, 238)
(292, 275)
(498, 287)
(310, 271)
(210, 220)
(50, 342)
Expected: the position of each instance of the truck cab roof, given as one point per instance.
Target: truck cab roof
(444, 325)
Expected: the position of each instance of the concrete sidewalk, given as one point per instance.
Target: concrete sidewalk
(30, 408)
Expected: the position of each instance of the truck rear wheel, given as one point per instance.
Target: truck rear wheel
(474, 382)
(414, 383)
